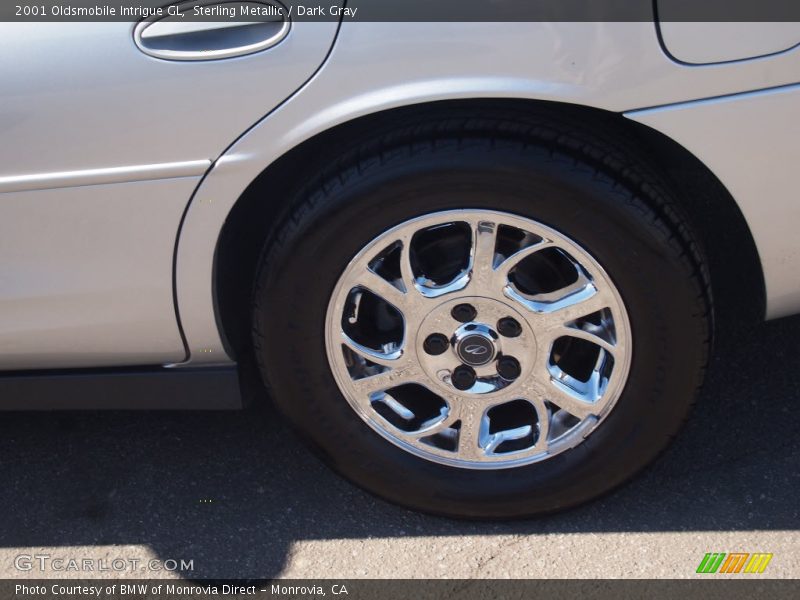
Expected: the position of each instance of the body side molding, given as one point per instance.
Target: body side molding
(127, 174)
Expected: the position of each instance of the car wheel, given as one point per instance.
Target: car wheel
(481, 328)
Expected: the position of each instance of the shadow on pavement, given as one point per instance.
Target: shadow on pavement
(79, 479)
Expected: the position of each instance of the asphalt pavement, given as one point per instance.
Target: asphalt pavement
(236, 495)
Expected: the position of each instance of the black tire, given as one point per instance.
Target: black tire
(630, 227)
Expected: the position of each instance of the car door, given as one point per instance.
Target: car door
(104, 139)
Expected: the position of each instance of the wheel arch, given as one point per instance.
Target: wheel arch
(255, 217)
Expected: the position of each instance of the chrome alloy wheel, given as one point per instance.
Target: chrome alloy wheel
(478, 339)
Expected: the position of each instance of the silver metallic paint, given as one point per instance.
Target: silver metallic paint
(86, 275)
(751, 142)
(705, 43)
(378, 66)
(81, 100)
(82, 96)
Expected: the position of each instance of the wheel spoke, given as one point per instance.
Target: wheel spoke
(577, 303)
(390, 359)
(383, 289)
(491, 442)
(399, 375)
(406, 270)
(474, 425)
(564, 397)
(574, 299)
(544, 416)
(594, 387)
(484, 241)
(533, 392)
(487, 443)
(439, 425)
(583, 289)
(562, 331)
(512, 261)
(579, 398)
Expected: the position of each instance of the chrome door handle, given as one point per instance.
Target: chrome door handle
(173, 38)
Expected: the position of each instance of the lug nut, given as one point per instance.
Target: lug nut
(508, 368)
(463, 377)
(464, 313)
(509, 327)
(436, 343)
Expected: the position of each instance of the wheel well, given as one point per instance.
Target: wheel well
(713, 215)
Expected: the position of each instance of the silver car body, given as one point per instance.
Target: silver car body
(118, 170)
